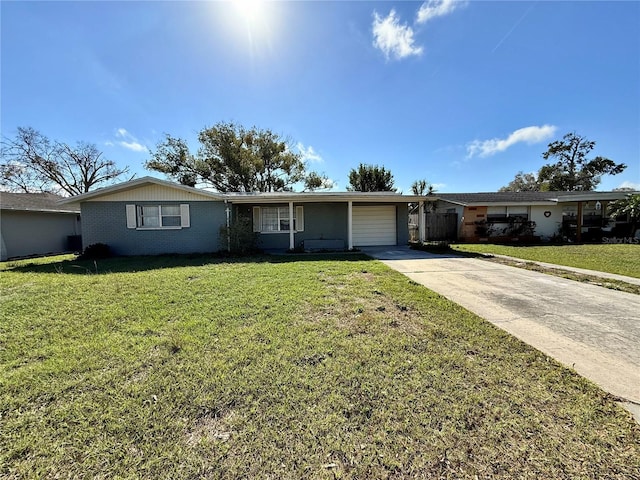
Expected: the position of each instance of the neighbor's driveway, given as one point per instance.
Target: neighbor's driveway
(592, 329)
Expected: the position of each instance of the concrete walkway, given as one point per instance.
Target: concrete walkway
(583, 271)
(592, 329)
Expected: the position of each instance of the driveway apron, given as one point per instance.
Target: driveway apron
(592, 329)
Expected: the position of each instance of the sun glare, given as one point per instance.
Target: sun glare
(256, 21)
(250, 10)
(251, 25)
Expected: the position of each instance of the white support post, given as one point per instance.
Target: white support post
(228, 212)
(421, 221)
(291, 232)
(350, 224)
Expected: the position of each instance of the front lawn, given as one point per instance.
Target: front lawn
(617, 258)
(280, 367)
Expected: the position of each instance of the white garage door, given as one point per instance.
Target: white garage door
(374, 225)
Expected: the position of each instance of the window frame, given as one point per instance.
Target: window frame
(281, 216)
(136, 215)
(508, 216)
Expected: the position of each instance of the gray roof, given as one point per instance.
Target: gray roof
(253, 197)
(527, 197)
(274, 197)
(35, 202)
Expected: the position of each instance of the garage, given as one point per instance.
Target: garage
(374, 225)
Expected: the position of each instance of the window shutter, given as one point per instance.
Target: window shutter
(185, 222)
(256, 219)
(131, 216)
(300, 219)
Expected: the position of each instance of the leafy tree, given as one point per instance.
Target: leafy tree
(232, 158)
(523, 182)
(370, 178)
(422, 187)
(573, 171)
(314, 181)
(31, 162)
(629, 205)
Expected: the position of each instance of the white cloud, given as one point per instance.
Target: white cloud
(309, 154)
(128, 141)
(392, 38)
(528, 135)
(135, 146)
(628, 184)
(437, 8)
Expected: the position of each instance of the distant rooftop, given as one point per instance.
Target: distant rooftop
(528, 197)
(36, 202)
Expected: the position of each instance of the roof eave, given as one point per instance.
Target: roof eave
(507, 204)
(132, 184)
(590, 196)
(45, 210)
(320, 197)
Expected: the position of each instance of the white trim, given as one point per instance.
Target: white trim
(421, 219)
(257, 219)
(325, 197)
(132, 221)
(299, 218)
(350, 224)
(292, 241)
(185, 221)
(158, 228)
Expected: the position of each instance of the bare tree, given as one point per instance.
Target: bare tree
(31, 162)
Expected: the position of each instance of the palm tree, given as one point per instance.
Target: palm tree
(422, 187)
(630, 205)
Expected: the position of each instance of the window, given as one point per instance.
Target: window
(497, 214)
(158, 216)
(518, 213)
(276, 219)
(507, 214)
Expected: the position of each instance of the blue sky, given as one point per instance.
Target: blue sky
(464, 94)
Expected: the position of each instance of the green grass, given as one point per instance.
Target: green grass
(620, 259)
(282, 367)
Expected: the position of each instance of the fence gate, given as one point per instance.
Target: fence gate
(441, 226)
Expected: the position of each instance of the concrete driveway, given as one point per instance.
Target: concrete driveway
(592, 329)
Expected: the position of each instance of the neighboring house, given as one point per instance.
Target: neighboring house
(509, 216)
(36, 224)
(149, 216)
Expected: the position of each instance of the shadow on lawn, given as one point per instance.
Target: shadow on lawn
(159, 262)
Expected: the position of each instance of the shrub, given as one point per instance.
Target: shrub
(239, 237)
(96, 251)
